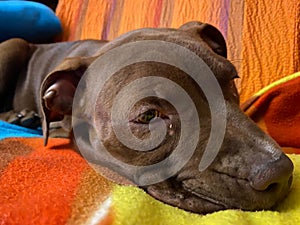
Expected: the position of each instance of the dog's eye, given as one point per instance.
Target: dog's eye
(147, 116)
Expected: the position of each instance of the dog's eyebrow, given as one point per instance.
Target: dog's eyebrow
(225, 71)
(234, 74)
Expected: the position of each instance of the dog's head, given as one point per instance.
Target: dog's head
(249, 172)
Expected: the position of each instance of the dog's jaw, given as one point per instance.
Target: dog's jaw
(200, 198)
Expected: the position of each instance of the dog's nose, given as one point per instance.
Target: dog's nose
(273, 175)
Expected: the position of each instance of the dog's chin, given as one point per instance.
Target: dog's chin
(175, 194)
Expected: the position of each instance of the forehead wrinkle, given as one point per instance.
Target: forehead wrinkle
(220, 66)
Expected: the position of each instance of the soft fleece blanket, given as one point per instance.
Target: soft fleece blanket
(54, 185)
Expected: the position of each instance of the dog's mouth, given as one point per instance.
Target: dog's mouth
(199, 199)
(176, 195)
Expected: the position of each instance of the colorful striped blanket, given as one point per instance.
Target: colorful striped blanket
(54, 185)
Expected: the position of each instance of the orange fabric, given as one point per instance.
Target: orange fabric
(271, 43)
(112, 18)
(43, 185)
(263, 37)
(277, 112)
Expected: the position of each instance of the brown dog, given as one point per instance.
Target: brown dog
(250, 171)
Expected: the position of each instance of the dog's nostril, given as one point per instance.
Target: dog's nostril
(264, 186)
(272, 175)
(271, 187)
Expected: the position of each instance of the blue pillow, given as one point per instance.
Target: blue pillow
(31, 21)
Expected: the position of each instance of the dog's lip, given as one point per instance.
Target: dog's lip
(186, 199)
(193, 195)
(209, 199)
(206, 196)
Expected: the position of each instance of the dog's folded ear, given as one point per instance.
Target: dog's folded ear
(209, 34)
(58, 89)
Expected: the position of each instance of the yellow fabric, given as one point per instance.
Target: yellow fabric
(276, 83)
(133, 206)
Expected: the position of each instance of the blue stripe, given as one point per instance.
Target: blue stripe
(10, 130)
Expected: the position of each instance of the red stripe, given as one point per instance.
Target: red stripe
(158, 10)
